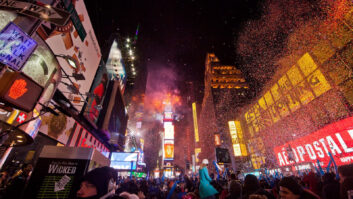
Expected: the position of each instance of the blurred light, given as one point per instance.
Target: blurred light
(128, 39)
(130, 52)
(133, 58)
(127, 45)
(19, 136)
(132, 64)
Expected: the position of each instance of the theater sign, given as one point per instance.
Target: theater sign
(336, 138)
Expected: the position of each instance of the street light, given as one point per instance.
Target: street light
(70, 60)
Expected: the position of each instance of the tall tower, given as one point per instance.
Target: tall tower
(225, 93)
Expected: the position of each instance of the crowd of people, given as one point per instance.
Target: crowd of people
(104, 183)
(308, 186)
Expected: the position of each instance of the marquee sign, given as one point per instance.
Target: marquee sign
(336, 138)
(15, 46)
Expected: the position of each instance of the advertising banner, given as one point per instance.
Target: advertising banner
(168, 130)
(336, 138)
(82, 138)
(99, 89)
(66, 41)
(168, 149)
(57, 127)
(56, 178)
(123, 161)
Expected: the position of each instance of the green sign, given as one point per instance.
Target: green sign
(139, 174)
(76, 20)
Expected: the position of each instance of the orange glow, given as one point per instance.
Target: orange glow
(18, 89)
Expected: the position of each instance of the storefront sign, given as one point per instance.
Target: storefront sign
(336, 138)
(15, 46)
(46, 12)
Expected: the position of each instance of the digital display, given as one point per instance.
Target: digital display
(120, 156)
(168, 130)
(168, 149)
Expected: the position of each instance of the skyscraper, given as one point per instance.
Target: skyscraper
(224, 94)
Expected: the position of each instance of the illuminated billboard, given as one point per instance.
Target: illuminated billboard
(336, 138)
(168, 130)
(123, 157)
(197, 153)
(196, 128)
(66, 40)
(115, 65)
(168, 149)
(236, 134)
(168, 115)
(98, 89)
(301, 84)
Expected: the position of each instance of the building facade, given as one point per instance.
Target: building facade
(224, 93)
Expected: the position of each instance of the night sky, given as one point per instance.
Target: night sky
(176, 33)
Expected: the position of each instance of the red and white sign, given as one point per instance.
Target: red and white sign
(336, 138)
(21, 118)
(82, 138)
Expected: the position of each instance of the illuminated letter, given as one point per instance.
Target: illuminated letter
(301, 152)
(317, 148)
(344, 146)
(281, 161)
(311, 152)
(333, 145)
(322, 140)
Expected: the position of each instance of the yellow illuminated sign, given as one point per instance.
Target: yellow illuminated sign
(236, 134)
(196, 128)
(301, 84)
(197, 152)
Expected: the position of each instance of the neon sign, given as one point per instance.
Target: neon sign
(16, 46)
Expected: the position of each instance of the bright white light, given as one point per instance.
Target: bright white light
(127, 45)
(128, 39)
(133, 73)
(130, 52)
(133, 58)
(132, 64)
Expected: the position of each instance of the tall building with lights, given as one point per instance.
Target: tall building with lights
(225, 93)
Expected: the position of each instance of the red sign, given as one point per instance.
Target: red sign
(19, 91)
(21, 118)
(336, 138)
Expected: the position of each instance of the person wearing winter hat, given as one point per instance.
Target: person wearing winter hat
(100, 183)
(206, 190)
(290, 189)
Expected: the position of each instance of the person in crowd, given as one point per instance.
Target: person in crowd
(234, 187)
(346, 181)
(252, 187)
(331, 187)
(18, 182)
(312, 182)
(100, 183)
(206, 190)
(290, 189)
